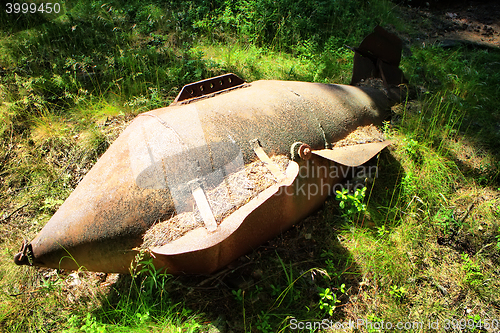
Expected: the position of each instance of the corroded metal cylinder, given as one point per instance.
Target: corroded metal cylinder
(129, 188)
(147, 174)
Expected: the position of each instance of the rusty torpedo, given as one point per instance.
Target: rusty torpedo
(224, 168)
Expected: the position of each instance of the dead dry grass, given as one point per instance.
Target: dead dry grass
(362, 134)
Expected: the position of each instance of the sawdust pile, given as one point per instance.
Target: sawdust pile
(235, 191)
(362, 134)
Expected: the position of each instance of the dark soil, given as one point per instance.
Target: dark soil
(448, 23)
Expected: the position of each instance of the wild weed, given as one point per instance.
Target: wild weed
(90, 325)
(351, 204)
(398, 293)
(263, 324)
(446, 219)
(411, 147)
(473, 272)
(328, 299)
(238, 294)
(497, 237)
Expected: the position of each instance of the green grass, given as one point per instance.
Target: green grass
(425, 249)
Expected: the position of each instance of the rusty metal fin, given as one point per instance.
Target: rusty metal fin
(205, 88)
(378, 56)
(353, 155)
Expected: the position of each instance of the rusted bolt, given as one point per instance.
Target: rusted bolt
(305, 152)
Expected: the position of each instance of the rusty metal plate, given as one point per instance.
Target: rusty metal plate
(353, 155)
(208, 87)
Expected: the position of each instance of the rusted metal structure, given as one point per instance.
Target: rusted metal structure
(166, 160)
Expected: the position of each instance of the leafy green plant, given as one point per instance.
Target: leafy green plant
(238, 295)
(328, 301)
(446, 219)
(477, 322)
(473, 272)
(254, 294)
(373, 319)
(330, 269)
(92, 326)
(382, 231)
(263, 324)
(275, 290)
(409, 185)
(50, 203)
(411, 148)
(351, 204)
(498, 239)
(88, 325)
(142, 317)
(398, 292)
(51, 284)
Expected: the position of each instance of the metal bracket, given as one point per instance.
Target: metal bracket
(203, 205)
(25, 255)
(349, 155)
(207, 87)
(261, 154)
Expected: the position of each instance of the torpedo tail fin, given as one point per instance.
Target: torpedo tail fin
(378, 56)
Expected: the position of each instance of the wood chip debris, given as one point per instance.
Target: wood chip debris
(235, 191)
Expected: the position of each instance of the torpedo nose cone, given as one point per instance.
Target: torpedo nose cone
(103, 219)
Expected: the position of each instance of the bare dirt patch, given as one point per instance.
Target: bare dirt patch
(466, 22)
